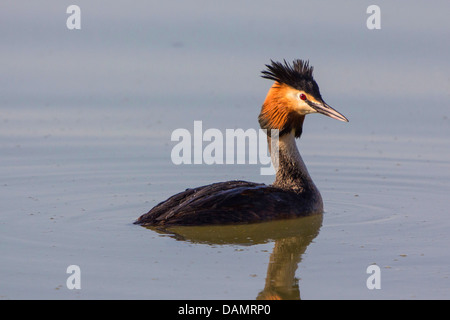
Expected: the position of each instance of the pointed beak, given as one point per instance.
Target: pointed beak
(325, 109)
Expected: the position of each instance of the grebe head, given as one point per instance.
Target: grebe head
(294, 94)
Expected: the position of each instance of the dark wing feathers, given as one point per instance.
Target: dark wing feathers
(224, 202)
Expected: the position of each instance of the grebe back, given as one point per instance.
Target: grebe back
(294, 94)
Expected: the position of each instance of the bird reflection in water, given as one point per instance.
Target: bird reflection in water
(291, 238)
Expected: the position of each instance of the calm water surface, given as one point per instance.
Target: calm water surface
(85, 125)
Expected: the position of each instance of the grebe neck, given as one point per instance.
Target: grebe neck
(291, 171)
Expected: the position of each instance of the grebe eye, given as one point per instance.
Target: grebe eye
(303, 96)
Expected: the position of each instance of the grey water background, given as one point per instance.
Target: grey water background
(86, 118)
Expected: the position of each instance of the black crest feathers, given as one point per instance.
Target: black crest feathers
(299, 75)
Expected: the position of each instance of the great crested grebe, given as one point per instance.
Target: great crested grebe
(294, 94)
